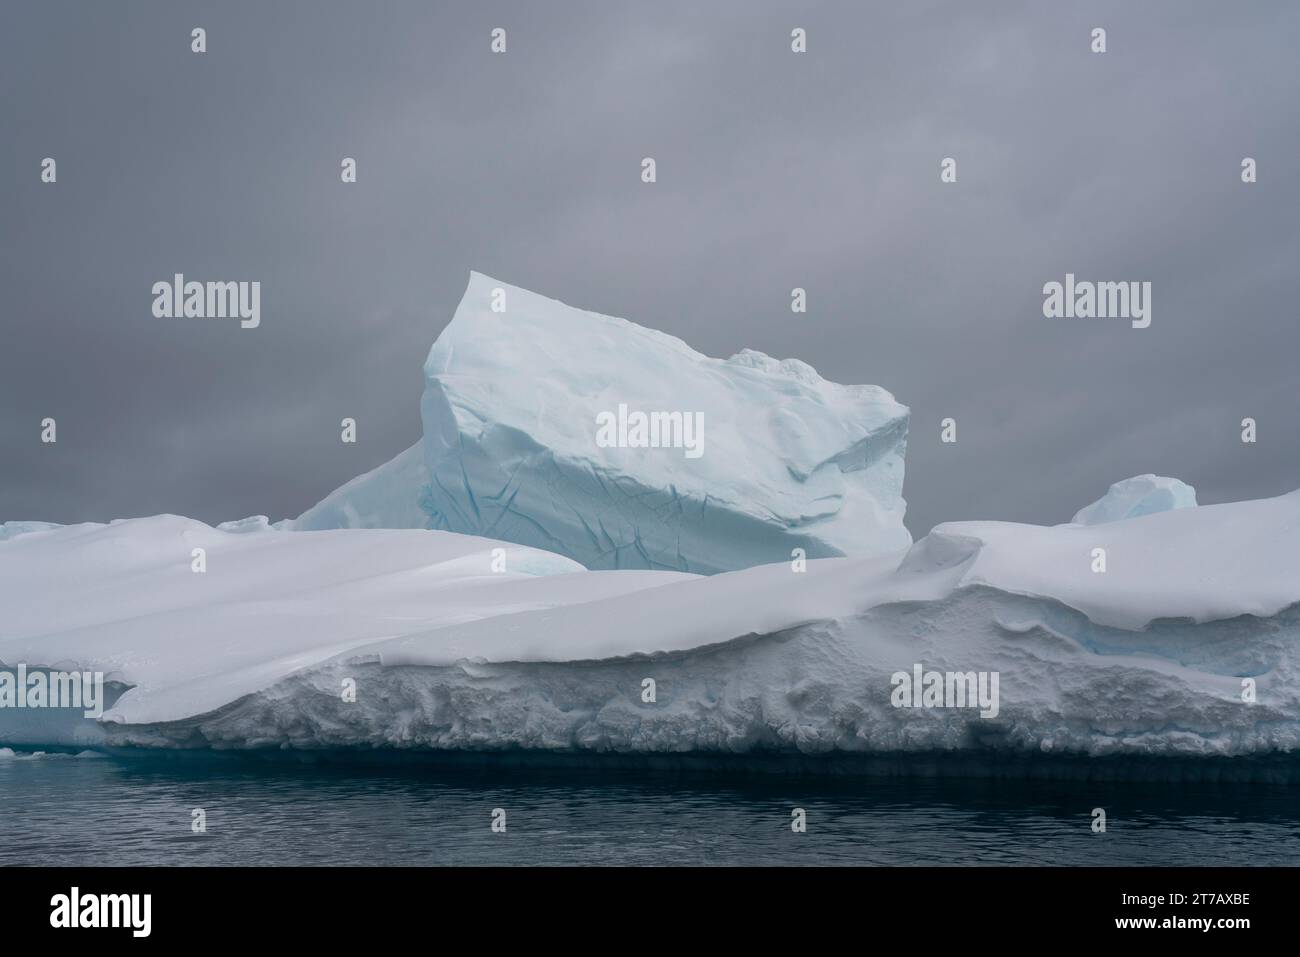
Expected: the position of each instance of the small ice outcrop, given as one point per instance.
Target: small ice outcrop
(1136, 496)
(254, 523)
(10, 530)
(623, 447)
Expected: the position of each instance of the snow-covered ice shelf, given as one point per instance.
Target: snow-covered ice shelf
(1148, 657)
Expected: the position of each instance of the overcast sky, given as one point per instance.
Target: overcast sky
(775, 170)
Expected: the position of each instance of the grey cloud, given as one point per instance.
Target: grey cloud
(775, 170)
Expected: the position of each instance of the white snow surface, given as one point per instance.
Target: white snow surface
(510, 411)
(448, 655)
(1202, 564)
(122, 598)
(1136, 496)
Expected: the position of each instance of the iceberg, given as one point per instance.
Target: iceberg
(622, 447)
(607, 546)
(1137, 496)
(1188, 644)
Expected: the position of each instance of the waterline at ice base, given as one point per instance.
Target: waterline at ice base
(510, 588)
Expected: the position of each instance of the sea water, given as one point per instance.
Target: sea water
(65, 810)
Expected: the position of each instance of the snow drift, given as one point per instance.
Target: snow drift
(512, 447)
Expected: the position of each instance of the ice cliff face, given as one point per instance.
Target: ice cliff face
(622, 447)
(1137, 496)
(1187, 644)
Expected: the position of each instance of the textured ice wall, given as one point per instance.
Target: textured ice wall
(777, 457)
(787, 460)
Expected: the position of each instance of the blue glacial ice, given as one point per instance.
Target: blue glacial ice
(512, 448)
(1135, 497)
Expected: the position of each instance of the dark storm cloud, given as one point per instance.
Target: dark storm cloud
(775, 171)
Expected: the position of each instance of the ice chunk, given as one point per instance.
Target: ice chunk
(743, 461)
(532, 434)
(14, 529)
(254, 523)
(1140, 495)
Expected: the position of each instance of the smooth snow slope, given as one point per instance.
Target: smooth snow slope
(122, 598)
(1147, 657)
(385, 497)
(510, 410)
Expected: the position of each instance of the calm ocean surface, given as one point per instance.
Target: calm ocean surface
(61, 810)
